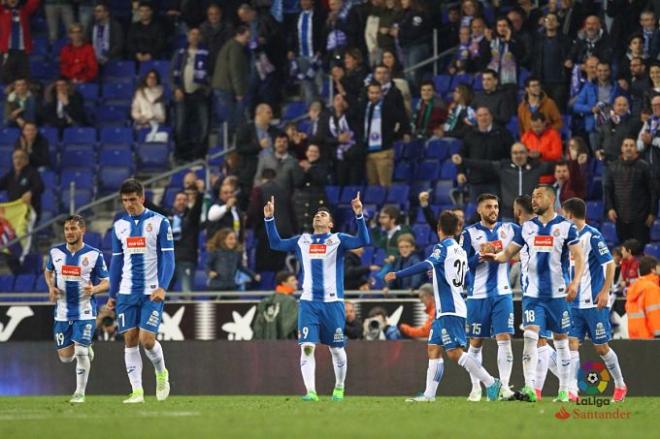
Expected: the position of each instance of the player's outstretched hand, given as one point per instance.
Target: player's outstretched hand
(488, 257)
(269, 208)
(110, 304)
(356, 204)
(158, 295)
(389, 277)
(571, 292)
(53, 293)
(89, 289)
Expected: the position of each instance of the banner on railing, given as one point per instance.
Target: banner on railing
(229, 320)
(16, 220)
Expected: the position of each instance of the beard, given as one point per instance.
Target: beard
(540, 210)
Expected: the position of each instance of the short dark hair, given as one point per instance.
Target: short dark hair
(374, 83)
(427, 82)
(76, 219)
(538, 117)
(131, 186)
(489, 72)
(525, 203)
(325, 209)
(646, 265)
(283, 276)
(576, 206)
(485, 197)
(147, 4)
(448, 222)
(633, 246)
(531, 79)
(281, 135)
(240, 30)
(546, 187)
(391, 211)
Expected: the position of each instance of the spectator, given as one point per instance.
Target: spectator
(630, 196)
(429, 114)
(390, 60)
(297, 140)
(267, 259)
(532, 14)
(611, 133)
(518, 175)
(570, 14)
(349, 80)
(407, 257)
(337, 30)
(63, 105)
(225, 213)
(148, 106)
(285, 165)
(630, 251)
(186, 14)
(479, 48)
(592, 40)
(382, 128)
(20, 105)
(550, 50)
(310, 184)
(448, 32)
(224, 262)
(426, 296)
(543, 143)
(372, 10)
(638, 84)
(77, 59)
(643, 302)
(486, 141)
(461, 117)
(15, 39)
(317, 126)
(461, 59)
(570, 180)
(386, 236)
(286, 283)
(506, 55)
(106, 325)
(216, 31)
(648, 141)
(356, 275)
(35, 145)
(146, 39)
(185, 219)
(400, 98)
(353, 329)
(654, 90)
(106, 35)
(534, 102)
(635, 50)
(251, 140)
(56, 11)
(306, 50)
(230, 79)
(377, 327)
(191, 99)
(493, 98)
(342, 138)
(650, 34)
(413, 32)
(523, 33)
(23, 182)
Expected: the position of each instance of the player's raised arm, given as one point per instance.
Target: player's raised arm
(274, 239)
(362, 238)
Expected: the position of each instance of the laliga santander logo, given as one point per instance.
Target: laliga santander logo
(562, 414)
(593, 378)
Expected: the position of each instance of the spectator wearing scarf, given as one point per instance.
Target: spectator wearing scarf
(506, 53)
(305, 50)
(106, 35)
(342, 137)
(429, 113)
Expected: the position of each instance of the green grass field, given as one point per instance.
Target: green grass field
(189, 417)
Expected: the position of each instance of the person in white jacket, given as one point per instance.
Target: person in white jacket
(148, 105)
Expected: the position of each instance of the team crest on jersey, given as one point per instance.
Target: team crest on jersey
(339, 335)
(556, 232)
(602, 248)
(436, 253)
(502, 234)
(149, 228)
(85, 261)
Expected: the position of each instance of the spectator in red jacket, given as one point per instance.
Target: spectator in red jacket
(77, 59)
(630, 250)
(570, 181)
(543, 142)
(425, 293)
(15, 39)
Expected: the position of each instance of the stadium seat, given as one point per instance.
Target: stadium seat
(117, 90)
(652, 249)
(24, 283)
(655, 231)
(442, 84)
(598, 168)
(119, 69)
(422, 233)
(94, 239)
(403, 171)
(141, 134)
(6, 152)
(88, 90)
(513, 127)
(43, 70)
(379, 256)
(398, 194)
(267, 281)
(49, 178)
(428, 170)
(40, 285)
(348, 193)
(49, 202)
(153, 157)
(442, 192)
(116, 155)
(51, 134)
(594, 211)
(608, 229)
(448, 170)
(374, 195)
(8, 136)
(437, 149)
(111, 177)
(332, 194)
(106, 244)
(32, 264)
(463, 78)
(200, 281)
(81, 197)
(169, 196)
(161, 66)
(116, 135)
(413, 150)
(78, 156)
(477, 85)
(79, 135)
(112, 116)
(293, 110)
(6, 283)
(452, 144)
(84, 179)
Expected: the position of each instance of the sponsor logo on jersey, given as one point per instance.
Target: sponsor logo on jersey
(600, 330)
(154, 319)
(339, 335)
(71, 273)
(136, 245)
(317, 251)
(543, 243)
(565, 320)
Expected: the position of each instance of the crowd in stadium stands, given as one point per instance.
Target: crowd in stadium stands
(320, 102)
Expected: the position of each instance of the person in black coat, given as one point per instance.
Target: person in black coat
(106, 46)
(309, 194)
(23, 181)
(591, 41)
(35, 144)
(344, 143)
(495, 99)
(185, 219)
(146, 39)
(63, 106)
(216, 31)
(349, 79)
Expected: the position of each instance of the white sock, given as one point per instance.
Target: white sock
(575, 366)
(552, 361)
(433, 376)
(530, 357)
(82, 368)
(308, 366)
(470, 364)
(133, 361)
(612, 363)
(475, 352)
(340, 364)
(504, 361)
(542, 366)
(155, 354)
(563, 364)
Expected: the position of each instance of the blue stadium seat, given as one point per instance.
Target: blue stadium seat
(39, 43)
(79, 135)
(116, 155)
(40, 286)
(413, 150)
(403, 171)
(49, 178)
(51, 134)
(419, 218)
(442, 192)
(80, 198)
(332, 194)
(106, 244)
(598, 168)
(43, 70)
(448, 170)
(49, 202)
(56, 47)
(218, 161)
(111, 177)
(161, 66)
(513, 127)
(153, 157)
(267, 281)
(88, 90)
(652, 250)
(398, 194)
(523, 74)
(32, 264)
(428, 170)
(367, 256)
(379, 256)
(594, 211)
(84, 179)
(595, 189)
(78, 156)
(169, 196)
(141, 134)
(608, 229)
(116, 135)
(24, 283)
(374, 195)
(437, 149)
(422, 234)
(293, 110)
(117, 90)
(348, 193)
(200, 281)
(93, 239)
(112, 115)
(8, 136)
(470, 210)
(463, 78)
(6, 152)
(452, 144)
(442, 83)
(477, 85)
(119, 69)
(655, 231)
(6, 283)
(419, 186)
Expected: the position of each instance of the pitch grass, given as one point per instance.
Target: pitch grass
(191, 417)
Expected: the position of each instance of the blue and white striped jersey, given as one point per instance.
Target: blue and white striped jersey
(596, 257)
(73, 272)
(487, 279)
(321, 257)
(449, 267)
(139, 242)
(545, 263)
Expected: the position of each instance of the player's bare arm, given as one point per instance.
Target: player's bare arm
(578, 258)
(101, 287)
(158, 295)
(604, 295)
(53, 291)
